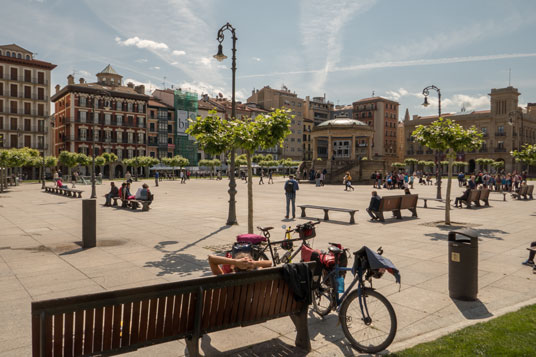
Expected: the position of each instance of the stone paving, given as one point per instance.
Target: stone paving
(40, 258)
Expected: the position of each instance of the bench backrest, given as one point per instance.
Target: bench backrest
(523, 190)
(474, 196)
(530, 189)
(409, 201)
(390, 203)
(484, 194)
(131, 318)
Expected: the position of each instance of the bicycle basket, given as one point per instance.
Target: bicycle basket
(287, 245)
(307, 231)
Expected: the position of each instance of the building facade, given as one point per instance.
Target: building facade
(24, 100)
(160, 129)
(505, 127)
(269, 99)
(382, 115)
(105, 115)
(342, 111)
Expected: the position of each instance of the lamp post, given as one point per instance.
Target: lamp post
(426, 93)
(231, 219)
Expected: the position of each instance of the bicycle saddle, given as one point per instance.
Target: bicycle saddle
(264, 228)
(335, 250)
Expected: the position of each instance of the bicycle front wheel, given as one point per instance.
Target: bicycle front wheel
(372, 334)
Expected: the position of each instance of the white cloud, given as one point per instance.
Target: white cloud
(155, 67)
(178, 53)
(142, 60)
(256, 59)
(140, 43)
(149, 86)
(205, 61)
(409, 63)
(84, 73)
(321, 24)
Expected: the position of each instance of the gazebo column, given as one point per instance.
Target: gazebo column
(352, 151)
(369, 148)
(330, 148)
(315, 148)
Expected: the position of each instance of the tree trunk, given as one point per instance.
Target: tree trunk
(250, 194)
(449, 185)
(1, 179)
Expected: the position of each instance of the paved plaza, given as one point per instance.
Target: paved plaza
(40, 257)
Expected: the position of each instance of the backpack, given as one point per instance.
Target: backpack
(289, 187)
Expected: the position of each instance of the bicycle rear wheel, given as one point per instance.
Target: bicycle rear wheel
(323, 296)
(370, 336)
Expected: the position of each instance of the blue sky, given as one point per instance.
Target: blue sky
(343, 48)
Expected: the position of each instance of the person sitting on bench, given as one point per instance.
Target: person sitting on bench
(128, 195)
(530, 261)
(143, 193)
(374, 205)
(240, 260)
(60, 184)
(114, 192)
(463, 197)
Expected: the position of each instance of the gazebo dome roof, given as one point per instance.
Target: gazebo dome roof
(341, 123)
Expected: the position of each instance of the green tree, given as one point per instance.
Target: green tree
(68, 159)
(497, 165)
(411, 163)
(449, 137)
(5, 160)
(527, 155)
(241, 160)
(484, 163)
(109, 158)
(258, 158)
(211, 164)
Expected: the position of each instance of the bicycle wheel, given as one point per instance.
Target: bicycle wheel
(323, 297)
(368, 336)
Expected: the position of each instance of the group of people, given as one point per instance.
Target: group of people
(393, 180)
(143, 193)
(507, 182)
(262, 175)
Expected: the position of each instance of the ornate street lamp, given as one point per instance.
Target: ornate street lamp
(426, 93)
(231, 219)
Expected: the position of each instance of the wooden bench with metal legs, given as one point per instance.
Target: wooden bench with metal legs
(124, 320)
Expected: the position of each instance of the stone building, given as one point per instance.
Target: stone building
(24, 100)
(316, 111)
(106, 113)
(268, 99)
(505, 127)
(342, 111)
(382, 115)
(160, 129)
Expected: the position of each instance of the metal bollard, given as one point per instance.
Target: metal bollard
(89, 223)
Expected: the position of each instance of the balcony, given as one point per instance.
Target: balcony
(33, 80)
(485, 135)
(33, 113)
(500, 149)
(483, 150)
(500, 133)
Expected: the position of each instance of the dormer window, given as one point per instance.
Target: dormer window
(19, 55)
(7, 53)
(13, 54)
(28, 57)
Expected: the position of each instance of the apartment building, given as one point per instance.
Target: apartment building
(161, 129)
(505, 127)
(24, 99)
(382, 115)
(269, 99)
(105, 114)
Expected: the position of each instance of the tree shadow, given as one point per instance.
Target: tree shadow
(328, 327)
(179, 264)
(482, 233)
(222, 228)
(472, 310)
(273, 347)
(332, 221)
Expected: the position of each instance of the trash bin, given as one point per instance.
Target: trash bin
(16, 180)
(463, 264)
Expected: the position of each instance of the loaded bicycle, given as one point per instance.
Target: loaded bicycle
(261, 244)
(368, 319)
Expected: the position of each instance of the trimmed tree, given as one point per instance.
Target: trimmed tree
(527, 155)
(411, 162)
(68, 159)
(449, 137)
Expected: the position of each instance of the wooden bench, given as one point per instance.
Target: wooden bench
(430, 199)
(530, 191)
(70, 192)
(124, 320)
(525, 192)
(327, 209)
(474, 197)
(484, 196)
(396, 204)
(134, 204)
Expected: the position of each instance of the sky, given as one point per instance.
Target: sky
(343, 49)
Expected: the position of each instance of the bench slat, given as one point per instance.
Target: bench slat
(58, 335)
(88, 331)
(214, 308)
(194, 296)
(97, 341)
(268, 298)
(107, 332)
(160, 316)
(207, 298)
(239, 304)
(135, 329)
(184, 311)
(116, 328)
(168, 321)
(151, 329)
(68, 343)
(125, 328)
(288, 307)
(221, 307)
(275, 293)
(229, 304)
(48, 335)
(259, 299)
(36, 338)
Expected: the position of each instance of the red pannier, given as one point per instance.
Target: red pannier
(326, 259)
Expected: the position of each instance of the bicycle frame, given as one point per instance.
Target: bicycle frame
(269, 244)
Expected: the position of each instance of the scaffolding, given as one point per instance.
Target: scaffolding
(184, 144)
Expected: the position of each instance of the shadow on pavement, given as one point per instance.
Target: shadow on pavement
(482, 233)
(203, 238)
(273, 347)
(329, 330)
(176, 263)
(472, 310)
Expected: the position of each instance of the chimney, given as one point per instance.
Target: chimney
(140, 89)
(57, 88)
(130, 85)
(82, 81)
(70, 79)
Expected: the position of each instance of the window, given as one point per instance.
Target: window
(500, 129)
(28, 57)
(83, 117)
(129, 107)
(484, 130)
(151, 127)
(118, 105)
(83, 101)
(19, 55)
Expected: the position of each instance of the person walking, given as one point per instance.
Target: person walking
(156, 177)
(261, 181)
(347, 181)
(270, 178)
(291, 186)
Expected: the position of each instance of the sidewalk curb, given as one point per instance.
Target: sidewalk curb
(433, 335)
